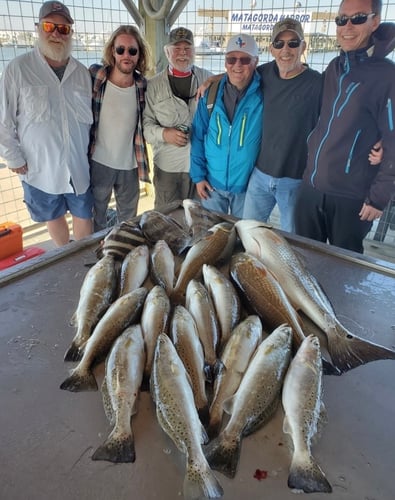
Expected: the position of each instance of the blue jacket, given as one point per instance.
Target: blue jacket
(225, 153)
(358, 109)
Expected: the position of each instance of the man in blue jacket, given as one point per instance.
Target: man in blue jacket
(342, 193)
(225, 143)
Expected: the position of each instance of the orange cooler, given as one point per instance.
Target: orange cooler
(10, 239)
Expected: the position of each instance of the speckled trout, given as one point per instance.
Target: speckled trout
(232, 365)
(255, 401)
(177, 415)
(120, 390)
(303, 407)
(96, 294)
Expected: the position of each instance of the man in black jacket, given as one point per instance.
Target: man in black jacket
(342, 193)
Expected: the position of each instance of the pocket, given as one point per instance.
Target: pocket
(83, 107)
(34, 103)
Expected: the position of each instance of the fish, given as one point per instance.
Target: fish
(157, 226)
(234, 361)
(198, 219)
(121, 239)
(347, 350)
(199, 304)
(265, 294)
(163, 266)
(304, 409)
(154, 320)
(206, 251)
(134, 270)
(225, 299)
(177, 415)
(120, 390)
(123, 312)
(185, 337)
(96, 294)
(254, 402)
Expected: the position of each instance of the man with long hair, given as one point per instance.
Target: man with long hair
(117, 149)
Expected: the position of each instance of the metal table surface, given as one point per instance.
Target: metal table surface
(48, 435)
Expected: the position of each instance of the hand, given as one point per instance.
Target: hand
(20, 170)
(376, 154)
(206, 84)
(203, 189)
(369, 213)
(175, 137)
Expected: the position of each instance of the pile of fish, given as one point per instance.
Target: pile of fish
(221, 320)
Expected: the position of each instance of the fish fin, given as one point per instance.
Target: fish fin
(223, 454)
(349, 351)
(73, 320)
(118, 448)
(73, 353)
(201, 482)
(77, 382)
(228, 405)
(307, 476)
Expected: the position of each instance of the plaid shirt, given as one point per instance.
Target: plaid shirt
(99, 75)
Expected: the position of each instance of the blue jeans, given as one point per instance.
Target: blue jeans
(264, 191)
(225, 202)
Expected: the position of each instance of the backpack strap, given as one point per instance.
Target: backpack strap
(211, 96)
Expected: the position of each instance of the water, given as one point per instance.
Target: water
(213, 62)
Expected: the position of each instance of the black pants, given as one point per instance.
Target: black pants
(325, 217)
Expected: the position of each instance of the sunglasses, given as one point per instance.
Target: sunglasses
(48, 27)
(292, 44)
(120, 50)
(243, 60)
(355, 19)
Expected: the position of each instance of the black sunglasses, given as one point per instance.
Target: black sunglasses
(233, 60)
(359, 18)
(292, 44)
(120, 50)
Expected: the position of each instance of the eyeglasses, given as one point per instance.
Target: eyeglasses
(292, 44)
(356, 19)
(233, 60)
(120, 50)
(63, 29)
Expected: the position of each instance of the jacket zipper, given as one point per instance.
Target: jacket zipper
(350, 154)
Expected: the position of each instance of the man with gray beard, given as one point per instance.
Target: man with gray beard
(45, 118)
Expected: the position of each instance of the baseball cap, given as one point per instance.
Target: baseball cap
(48, 8)
(242, 43)
(287, 24)
(180, 35)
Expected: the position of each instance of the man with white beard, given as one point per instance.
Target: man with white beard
(45, 118)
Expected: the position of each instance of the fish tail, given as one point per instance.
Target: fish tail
(118, 448)
(201, 482)
(78, 382)
(73, 353)
(349, 351)
(307, 476)
(223, 454)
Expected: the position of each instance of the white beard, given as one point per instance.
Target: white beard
(59, 52)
